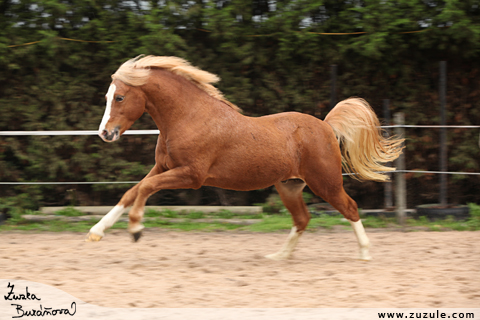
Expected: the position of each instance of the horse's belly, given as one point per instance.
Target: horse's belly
(238, 185)
(244, 178)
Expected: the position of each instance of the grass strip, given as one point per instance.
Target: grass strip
(266, 223)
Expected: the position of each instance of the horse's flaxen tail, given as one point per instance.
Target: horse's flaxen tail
(364, 149)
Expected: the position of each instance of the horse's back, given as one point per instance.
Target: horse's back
(306, 130)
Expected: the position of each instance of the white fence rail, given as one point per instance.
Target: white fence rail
(71, 133)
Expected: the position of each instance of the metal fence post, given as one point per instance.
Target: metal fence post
(443, 133)
(400, 185)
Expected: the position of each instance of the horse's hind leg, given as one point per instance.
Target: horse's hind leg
(291, 194)
(331, 190)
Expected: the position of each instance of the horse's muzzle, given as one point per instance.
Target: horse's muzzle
(110, 136)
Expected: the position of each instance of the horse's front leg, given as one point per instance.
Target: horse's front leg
(97, 232)
(177, 178)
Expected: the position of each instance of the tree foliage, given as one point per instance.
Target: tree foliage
(272, 56)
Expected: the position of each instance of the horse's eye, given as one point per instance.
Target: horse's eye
(119, 98)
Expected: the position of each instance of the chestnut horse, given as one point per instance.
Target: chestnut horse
(205, 141)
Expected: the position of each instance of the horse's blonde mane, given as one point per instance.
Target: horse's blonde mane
(136, 71)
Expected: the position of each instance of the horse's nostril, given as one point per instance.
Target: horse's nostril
(104, 133)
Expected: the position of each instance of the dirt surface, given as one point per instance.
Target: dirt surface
(225, 269)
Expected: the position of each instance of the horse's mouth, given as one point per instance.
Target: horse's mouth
(110, 136)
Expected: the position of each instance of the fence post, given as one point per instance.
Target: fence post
(333, 88)
(388, 185)
(400, 185)
(443, 133)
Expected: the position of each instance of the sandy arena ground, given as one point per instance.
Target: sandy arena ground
(227, 269)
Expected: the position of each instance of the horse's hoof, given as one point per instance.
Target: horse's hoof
(136, 236)
(136, 231)
(364, 254)
(93, 237)
(276, 256)
(367, 258)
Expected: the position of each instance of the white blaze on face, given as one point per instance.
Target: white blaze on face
(106, 116)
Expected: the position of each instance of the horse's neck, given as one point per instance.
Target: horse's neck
(174, 104)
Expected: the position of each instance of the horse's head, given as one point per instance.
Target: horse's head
(125, 104)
